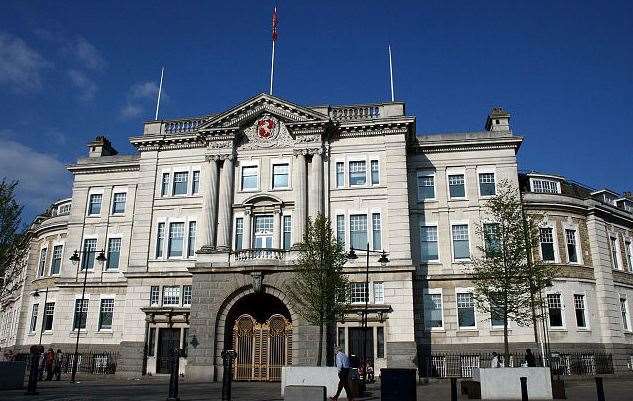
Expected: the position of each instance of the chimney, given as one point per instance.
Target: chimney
(498, 120)
(101, 146)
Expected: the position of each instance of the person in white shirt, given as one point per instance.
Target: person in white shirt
(494, 363)
(342, 363)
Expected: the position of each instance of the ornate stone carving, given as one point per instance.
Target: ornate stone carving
(258, 278)
(265, 133)
(308, 138)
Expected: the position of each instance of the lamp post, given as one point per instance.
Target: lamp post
(75, 260)
(37, 295)
(382, 260)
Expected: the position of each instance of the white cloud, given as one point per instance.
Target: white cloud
(43, 178)
(20, 65)
(131, 110)
(141, 99)
(86, 86)
(87, 54)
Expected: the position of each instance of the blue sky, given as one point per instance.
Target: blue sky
(563, 69)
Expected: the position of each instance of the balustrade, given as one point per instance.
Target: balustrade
(182, 126)
(260, 254)
(349, 113)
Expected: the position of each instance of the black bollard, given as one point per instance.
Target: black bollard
(453, 389)
(173, 378)
(599, 389)
(524, 392)
(227, 377)
(36, 351)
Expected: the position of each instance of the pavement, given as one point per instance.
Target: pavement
(156, 388)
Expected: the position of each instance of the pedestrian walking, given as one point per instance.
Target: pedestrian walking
(50, 358)
(494, 362)
(57, 365)
(342, 363)
(529, 358)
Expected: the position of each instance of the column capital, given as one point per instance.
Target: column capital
(308, 151)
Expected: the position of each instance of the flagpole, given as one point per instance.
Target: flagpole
(272, 68)
(160, 88)
(391, 73)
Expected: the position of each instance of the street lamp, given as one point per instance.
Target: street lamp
(75, 260)
(36, 295)
(382, 260)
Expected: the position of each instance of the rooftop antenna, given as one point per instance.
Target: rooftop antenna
(160, 88)
(391, 72)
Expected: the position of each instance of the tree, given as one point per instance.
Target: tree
(13, 243)
(317, 288)
(506, 278)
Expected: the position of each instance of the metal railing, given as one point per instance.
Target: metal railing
(94, 363)
(443, 365)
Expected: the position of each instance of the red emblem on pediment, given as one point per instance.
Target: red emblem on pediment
(266, 127)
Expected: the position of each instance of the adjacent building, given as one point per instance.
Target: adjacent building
(199, 231)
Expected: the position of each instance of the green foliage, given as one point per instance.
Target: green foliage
(317, 288)
(507, 280)
(13, 243)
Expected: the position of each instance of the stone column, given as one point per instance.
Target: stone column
(225, 205)
(246, 233)
(277, 228)
(209, 203)
(316, 206)
(300, 213)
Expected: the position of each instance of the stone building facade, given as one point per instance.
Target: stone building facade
(199, 229)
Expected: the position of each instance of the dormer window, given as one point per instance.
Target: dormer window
(544, 186)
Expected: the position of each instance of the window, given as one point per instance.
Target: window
(375, 227)
(357, 173)
(151, 341)
(461, 248)
(154, 295)
(164, 189)
(623, 309)
(49, 311)
(34, 312)
(191, 246)
(180, 182)
(280, 176)
(629, 258)
(195, 182)
(547, 244)
(56, 264)
(94, 205)
(456, 186)
(579, 306)
(88, 256)
(176, 239)
(287, 232)
(249, 178)
(465, 310)
(379, 293)
(118, 202)
(160, 240)
(263, 232)
(81, 314)
(64, 209)
(487, 184)
(555, 310)
(572, 251)
(171, 295)
(428, 243)
(186, 295)
(105, 314)
(375, 173)
(114, 251)
(358, 230)
(614, 253)
(239, 233)
(42, 264)
(496, 315)
(380, 342)
(492, 244)
(426, 185)
(545, 186)
(340, 174)
(340, 229)
(358, 293)
(433, 311)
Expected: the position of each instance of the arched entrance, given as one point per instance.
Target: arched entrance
(261, 334)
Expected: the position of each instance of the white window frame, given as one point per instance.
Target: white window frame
(102, 297)
(172, 184)
(548, 224)
(436, 291)
(439, 251)
(45, 266)
(94, 191)
(618, 255)
(348, 226)
(48, 301)
(370, 216)
(77, 297)
(367, 294)
(336, 162)
(551, 180)
(185, 238)
(586, 305)
(460, 290)
(250, 163)
(107, 252)
(426, 173)
(282, 228)
(563, 309)
(367, 168)
(61, 262)
(456, 171)
(373, 292)
(578, 244)
(628, 313)
(118, 190)
(629, 253)
(82, 254)
(371, 181)
(486, 170)
(169, 192)
(470, 242)
(271, 172)
(345, 238)
(245, 244)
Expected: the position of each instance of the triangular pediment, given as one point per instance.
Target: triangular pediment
(262, 104)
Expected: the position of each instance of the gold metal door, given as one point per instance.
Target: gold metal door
(262, 348)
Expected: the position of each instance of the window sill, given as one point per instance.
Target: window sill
(282, 189)
(584, 329)
(431, 262)
(467, 329)
(429, 200)
(560, 329)
(438, 330)
(249, 190)
(104, 331)
(112, 271)
(457, 199)
(120, 214)
(93, 215)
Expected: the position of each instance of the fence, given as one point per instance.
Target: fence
(94, 363)
(442, 365)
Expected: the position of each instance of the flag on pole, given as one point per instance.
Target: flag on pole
(275, 23)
